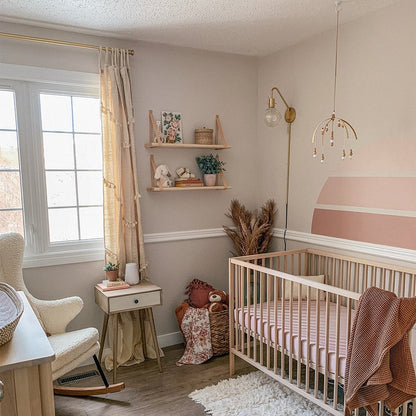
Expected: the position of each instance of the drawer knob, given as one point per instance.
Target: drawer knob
(1, 391)
(136, 300)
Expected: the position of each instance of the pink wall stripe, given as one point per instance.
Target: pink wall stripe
(386, 193)
(389, 230)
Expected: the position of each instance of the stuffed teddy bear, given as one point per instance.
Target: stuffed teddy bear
(218, 301)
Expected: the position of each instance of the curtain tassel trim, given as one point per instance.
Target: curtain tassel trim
(109, 184)
(130, 224)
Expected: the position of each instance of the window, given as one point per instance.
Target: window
(73, 166)
(51, 168)
(11, 212)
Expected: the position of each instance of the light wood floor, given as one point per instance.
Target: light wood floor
(148, 392)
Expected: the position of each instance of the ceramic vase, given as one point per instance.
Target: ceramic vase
(210, 179)
(132, 274)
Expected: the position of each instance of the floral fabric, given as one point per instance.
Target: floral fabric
(197, 333)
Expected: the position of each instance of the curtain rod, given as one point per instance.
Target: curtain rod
(55, 42)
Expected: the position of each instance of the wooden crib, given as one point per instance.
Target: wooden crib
(267, 297)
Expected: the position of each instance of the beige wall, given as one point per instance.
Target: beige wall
(199, 85)
(376, 94)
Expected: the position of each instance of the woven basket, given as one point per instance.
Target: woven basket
(219, 332)
(11, 309)
(203, 136)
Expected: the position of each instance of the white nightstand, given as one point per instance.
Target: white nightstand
(136, 298)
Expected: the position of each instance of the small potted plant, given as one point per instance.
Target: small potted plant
(210, 166)
(111, 271)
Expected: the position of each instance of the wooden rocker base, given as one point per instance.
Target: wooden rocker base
(87, 391)
(90, 391)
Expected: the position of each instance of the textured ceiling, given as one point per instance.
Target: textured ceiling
(248, 27)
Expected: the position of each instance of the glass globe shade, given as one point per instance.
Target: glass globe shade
(272, 117)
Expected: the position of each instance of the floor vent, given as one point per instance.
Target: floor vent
(77, 377)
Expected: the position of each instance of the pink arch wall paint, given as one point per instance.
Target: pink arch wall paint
(372, 198)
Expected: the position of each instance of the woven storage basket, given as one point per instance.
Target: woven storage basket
(11, 309)
(219, 332)
(203, 136)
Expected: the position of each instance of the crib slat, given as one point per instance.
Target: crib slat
(290, 332)
(365, 277)
(243, 271)
(327, 312)
(237, 300)
(232, 308)
(299, 355)
(275, 297)
(268, 335)
(248, 277)
(282, 355)
(308, 336)
(255, 303)
(337, 330)
(261, 277)
(318, 342)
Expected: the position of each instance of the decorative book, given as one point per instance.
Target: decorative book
(104, 286)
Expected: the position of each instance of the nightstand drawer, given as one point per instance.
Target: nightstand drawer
(135, 301)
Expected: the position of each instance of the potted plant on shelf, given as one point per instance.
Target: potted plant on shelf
(111, 271)
(210, 166)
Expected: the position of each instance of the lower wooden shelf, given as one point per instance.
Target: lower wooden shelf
(188, 188)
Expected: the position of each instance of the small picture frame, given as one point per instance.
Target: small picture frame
(172, 127)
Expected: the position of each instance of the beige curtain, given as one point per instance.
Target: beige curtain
(123, 236)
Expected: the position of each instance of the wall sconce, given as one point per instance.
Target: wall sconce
(272, 118)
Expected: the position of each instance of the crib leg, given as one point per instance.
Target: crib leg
(232, 364)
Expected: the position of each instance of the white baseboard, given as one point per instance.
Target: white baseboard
(166, 340)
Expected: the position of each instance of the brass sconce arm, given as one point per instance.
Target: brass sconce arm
(290, 113)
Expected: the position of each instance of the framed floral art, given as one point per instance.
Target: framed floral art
(172, 127)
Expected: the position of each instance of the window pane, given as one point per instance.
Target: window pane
(90, 188)
(10, 194)
(7, 113)
(9, 157)
(56, 112)
(87, 116)
(61, 189)
(11, 221)
(63, 224)
(89, 151)
(58, 149)
(91, 222)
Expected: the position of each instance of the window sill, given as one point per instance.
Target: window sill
(63, 257)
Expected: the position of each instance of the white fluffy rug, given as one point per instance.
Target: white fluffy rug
(251, 395)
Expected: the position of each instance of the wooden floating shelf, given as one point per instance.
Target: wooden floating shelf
(186, 146)
(188, 188)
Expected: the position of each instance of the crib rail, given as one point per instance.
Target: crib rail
(296, 329)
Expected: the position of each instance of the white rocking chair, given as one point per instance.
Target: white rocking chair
(71, 348)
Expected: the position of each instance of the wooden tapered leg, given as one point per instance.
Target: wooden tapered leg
(103, 334)
(115, 347)
(149, 312)
(141, 313)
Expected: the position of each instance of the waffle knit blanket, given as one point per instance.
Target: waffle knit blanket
(379, 363)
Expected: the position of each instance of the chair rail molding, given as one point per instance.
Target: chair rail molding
(395, 253)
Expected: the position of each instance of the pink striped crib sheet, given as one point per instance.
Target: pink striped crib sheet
(264, 325)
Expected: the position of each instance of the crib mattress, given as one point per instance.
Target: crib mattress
(262, 319)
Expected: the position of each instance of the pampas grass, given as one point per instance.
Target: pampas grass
(253, 230)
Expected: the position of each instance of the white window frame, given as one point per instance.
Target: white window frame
(28, 83)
